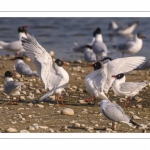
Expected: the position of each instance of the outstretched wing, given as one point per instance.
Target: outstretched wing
(121, 65)
(42, 61)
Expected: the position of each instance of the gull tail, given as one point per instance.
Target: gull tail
(134, 124)
(46, 95)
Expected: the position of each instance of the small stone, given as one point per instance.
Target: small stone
(24, 92)
(51, 130)
(58, 112)
(11, 130)
(76, 125)
(28, 59)
(35, 125)
(1, 89)
(122, 100)
(31, 128)
(40, 106)
(138, 99)
(29, 97)
(37, 91)
(30, 104)
(82, 125)
(22, 97)
(81, 102)
(24, 131)
(20, 108)
(78, 78)
(43, 127)
(139, 106)
(135, 117)
(67, 111)
(63, 128)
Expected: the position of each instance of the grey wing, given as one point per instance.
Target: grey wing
(132, 87)
(126, 46)
(42, 61)
(9, 86)
(121, 65)
(89, 56)
(115, 113)
(24, 69)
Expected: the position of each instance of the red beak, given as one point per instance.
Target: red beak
(65, 64)
(113, 76)
(13, 74)
(90, 65)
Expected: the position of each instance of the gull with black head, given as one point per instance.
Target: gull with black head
(52, 74)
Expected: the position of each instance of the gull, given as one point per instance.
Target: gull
(126, 89)
(131, 47)
(145, 65)
(80, 48)
(52, 74)
(115, 113)
(11, 87)
(99, 47)
(100, 79)
(89, 55)
(15, 46)
(122, 30)
(22, 68)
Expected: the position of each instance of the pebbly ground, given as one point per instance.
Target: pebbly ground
(34, 117)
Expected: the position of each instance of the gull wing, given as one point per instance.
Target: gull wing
(42, 61)
(10, 86)
(121, 65)
(132, 87)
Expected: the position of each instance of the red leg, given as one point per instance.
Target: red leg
(60, 97)
(127, 101)
(10, 101)
(56, 98)
(91, 98)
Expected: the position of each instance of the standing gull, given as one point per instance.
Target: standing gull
(12, 88)
(131, 47)
(53, 75)
(126, 89)
(15, 46)
(99, 47)
(115, 113)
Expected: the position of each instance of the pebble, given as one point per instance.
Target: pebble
(51, 130)
(78, 78)
(82, 125)
(40, 106)
(135, 117)
(20, 108)
(37, 91)
(67, 111)
(35, 125)
(28, 59)
(138, 99)
(24, 131)
(43, 127)
(22, 97)
(64, 128)
(11, 130)
(1, 89)
(139, 106)
(76, 125)
(30, 104)
(29, 97)
(24, 92)
(31, 128)
(81, 102)
(122, 100)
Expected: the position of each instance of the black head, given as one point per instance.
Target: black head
(140, 36)
(119, 76)
(22, 29)
(107, 58)
(59, 62)
(97, 31)
(97, 65)
(88, 46)
(8, 74)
